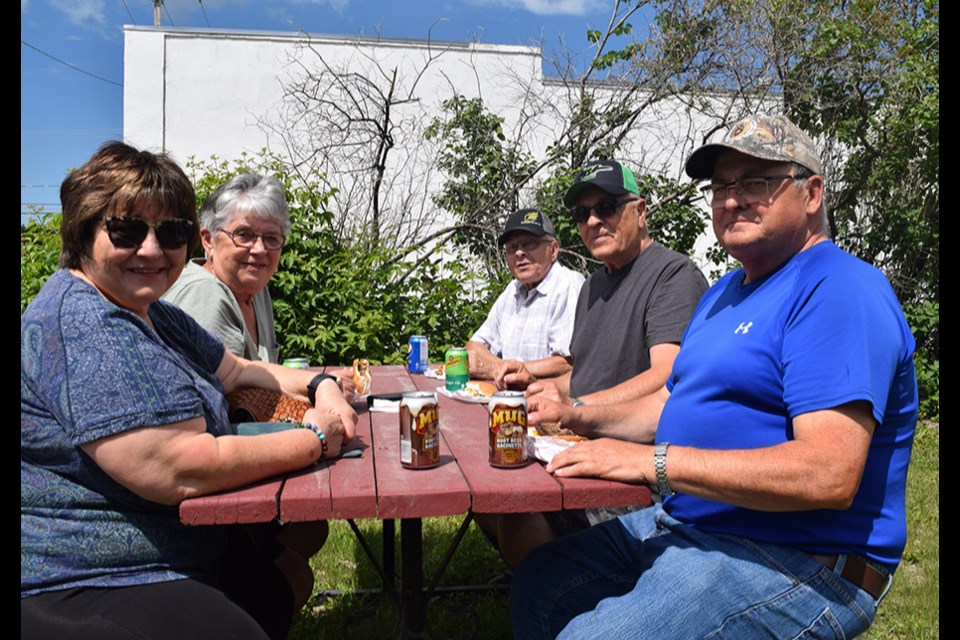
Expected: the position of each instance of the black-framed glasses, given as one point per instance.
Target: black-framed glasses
(246, 238)
(751, 190)
(527, 245)
(129, 233)
(604, 209)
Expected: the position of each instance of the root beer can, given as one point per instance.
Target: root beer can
(419, 430)
(508, 429)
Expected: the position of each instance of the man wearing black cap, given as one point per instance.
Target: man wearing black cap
(783, 436)
(530, 324)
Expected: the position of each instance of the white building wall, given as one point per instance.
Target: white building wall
(196, 92)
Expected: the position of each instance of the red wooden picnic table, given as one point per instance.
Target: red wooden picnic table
(375, 485)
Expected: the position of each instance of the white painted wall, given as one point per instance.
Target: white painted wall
(197, 92)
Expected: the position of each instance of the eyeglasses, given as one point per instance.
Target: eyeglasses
(527, 245)
(604, 209)
(128, 233)
(246, 239)
(750, 190)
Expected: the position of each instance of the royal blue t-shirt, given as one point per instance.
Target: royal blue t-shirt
(88, 370)
(823, 330)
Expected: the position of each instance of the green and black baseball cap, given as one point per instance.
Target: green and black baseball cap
(608, 175)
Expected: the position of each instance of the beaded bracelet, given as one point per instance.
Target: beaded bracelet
(320, 434)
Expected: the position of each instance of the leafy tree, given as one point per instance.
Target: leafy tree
(39, 251)
(337, 297)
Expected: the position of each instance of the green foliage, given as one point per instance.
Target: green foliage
(867, 78)
(484, 174)
(39, 250)
(336, 299)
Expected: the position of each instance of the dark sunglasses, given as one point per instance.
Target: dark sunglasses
(128, 233)
(604, 209)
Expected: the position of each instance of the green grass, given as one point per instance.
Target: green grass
(910, 612)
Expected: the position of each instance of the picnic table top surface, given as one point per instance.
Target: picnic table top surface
(375, 485)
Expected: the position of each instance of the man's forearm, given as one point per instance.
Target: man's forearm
(634, 421)
(651, 380)
(549, 367)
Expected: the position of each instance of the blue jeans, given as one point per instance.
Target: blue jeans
(646, 575)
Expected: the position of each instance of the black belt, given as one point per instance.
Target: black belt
(858, 571)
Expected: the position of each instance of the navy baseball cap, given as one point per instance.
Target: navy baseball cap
(529, 221)
(608, 175)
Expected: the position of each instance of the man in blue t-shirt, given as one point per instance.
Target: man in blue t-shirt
(783, 435)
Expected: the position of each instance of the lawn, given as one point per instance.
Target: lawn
(911, 611)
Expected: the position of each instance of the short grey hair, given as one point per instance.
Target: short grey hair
(802, 174)
(253, 193)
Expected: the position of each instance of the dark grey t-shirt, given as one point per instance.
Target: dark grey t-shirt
(620, 315)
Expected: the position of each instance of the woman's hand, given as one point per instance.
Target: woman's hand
(346, 381)
(332, 426)
(329, 400)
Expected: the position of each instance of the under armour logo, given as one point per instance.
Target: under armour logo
(744, 327)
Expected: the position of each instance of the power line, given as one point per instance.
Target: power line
(67, 64)
(204, 12)
(132, 19)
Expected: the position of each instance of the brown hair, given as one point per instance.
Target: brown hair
(121, 180)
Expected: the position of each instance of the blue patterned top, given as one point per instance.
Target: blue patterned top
(88, 370)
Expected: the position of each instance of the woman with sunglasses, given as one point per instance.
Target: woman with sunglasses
(122, 416)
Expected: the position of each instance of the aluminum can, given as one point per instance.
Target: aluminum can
(419, 430)
(418, 354)
(508, 429)
(457, 369)
(296, 363)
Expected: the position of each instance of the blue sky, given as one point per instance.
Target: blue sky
(71, 55)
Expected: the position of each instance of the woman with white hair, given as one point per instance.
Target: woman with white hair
(243, 227)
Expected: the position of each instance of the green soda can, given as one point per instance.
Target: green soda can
(457, 368)
(296, 363)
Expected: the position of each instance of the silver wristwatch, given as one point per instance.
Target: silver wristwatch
(660, 464)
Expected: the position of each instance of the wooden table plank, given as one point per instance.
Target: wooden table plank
(253, 503)
(584, 493)
(412, 493)
(494, 490)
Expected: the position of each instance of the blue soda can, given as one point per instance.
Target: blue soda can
(417, 354)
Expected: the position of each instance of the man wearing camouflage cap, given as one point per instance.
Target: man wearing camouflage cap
(783, 436)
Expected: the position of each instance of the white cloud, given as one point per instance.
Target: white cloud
(338, 6)
(547, 7)
(85, 13)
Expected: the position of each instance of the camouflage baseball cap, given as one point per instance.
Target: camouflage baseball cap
(609, 175)
(760, 136)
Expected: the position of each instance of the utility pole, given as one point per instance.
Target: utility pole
(156, 12)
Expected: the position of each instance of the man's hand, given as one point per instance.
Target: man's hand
(606, 458)
(549, 390)
(483, 364)
(513, 374)
(540, 409)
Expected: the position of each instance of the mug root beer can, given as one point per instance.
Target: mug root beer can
(508, 429)
(419, 430)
